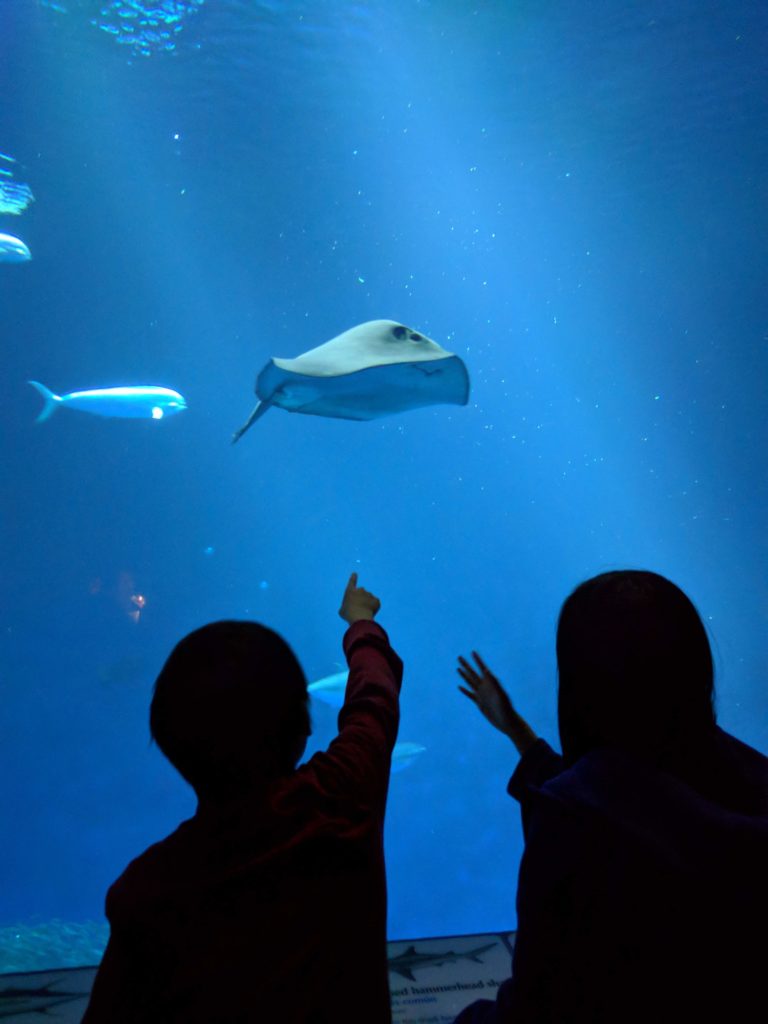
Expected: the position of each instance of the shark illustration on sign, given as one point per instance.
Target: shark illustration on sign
(20, 1001)
(406, 963)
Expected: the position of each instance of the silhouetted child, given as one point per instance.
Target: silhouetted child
(643, 888)
(269, 905)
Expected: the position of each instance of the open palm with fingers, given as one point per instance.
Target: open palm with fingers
(485, 690)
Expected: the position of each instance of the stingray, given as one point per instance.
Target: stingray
(375, 369)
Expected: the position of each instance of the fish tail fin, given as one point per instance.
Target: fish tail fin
(48, 397)
(259, 409)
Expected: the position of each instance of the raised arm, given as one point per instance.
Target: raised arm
(487, 693)
(355, 767)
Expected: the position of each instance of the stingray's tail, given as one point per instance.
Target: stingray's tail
(51, 400)
(259, 410)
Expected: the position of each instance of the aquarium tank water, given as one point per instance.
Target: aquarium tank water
(569, 197)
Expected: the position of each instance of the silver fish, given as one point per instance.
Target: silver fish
(141, 402)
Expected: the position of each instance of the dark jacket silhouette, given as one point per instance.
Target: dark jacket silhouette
(643, 887)
(642, 897)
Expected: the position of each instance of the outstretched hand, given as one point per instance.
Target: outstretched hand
(485, 690)
(357, 603)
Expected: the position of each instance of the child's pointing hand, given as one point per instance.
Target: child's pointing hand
(357, 603)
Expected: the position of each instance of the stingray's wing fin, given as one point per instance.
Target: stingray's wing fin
(258, 411)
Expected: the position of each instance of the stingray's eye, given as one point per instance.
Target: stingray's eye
(416, 337)
(399, 332)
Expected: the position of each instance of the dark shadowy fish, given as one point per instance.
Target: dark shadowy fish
(375, 369)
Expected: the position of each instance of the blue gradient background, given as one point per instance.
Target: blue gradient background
(571, 196)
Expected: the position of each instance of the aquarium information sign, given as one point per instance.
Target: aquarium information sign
(431, 980)
(60, 996)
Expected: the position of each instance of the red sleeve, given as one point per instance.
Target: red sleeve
(356, 765)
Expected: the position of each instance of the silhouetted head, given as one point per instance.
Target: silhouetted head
(230, 708)
(635, 669)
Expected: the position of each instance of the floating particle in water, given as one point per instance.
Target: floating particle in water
(140, 603)
(129, 597)
(263, 585)
(209, 551)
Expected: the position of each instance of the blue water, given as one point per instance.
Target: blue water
(569, 195)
